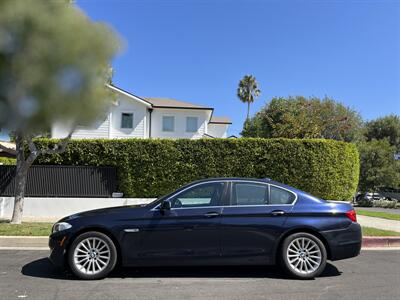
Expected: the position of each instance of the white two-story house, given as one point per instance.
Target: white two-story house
(131, 116)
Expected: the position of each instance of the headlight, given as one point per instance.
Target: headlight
(61, 226)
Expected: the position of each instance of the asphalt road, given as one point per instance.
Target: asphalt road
(372, 275)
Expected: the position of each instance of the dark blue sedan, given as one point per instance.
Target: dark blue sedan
(223, 221)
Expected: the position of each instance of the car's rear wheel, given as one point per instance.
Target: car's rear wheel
(303, 255)
(92, 255)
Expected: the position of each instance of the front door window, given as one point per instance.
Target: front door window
(202, 195)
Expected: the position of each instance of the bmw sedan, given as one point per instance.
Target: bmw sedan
(223, 221)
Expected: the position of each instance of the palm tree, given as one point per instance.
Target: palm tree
(248, 91)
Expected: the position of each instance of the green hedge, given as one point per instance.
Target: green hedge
(7, 161)
(148, 168)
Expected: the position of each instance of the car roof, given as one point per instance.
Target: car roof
(263, 180)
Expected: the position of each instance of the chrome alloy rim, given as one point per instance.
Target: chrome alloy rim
(304, 255)
(92, 255)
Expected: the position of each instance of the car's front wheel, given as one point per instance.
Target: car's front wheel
(303, 255)
(92, 255)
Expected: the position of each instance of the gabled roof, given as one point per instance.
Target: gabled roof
(220, 120)
(173, 103)
(153, 102)
(7, 149)
(130, 95)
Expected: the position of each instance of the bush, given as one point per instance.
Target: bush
(7, 161)
(384, 203)
(148, 168)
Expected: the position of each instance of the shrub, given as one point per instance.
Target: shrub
(384, 203)
(7, 161)
(148, 168)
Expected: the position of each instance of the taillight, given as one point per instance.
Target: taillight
(351, 214)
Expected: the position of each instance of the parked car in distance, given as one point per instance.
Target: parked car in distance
(369, 197)
(221, 221)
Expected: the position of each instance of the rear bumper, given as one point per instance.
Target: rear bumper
(344, 243)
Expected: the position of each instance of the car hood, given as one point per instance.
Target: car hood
(106, 211)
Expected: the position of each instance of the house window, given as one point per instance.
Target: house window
(127, 120)
(191, 124)
(168, 123)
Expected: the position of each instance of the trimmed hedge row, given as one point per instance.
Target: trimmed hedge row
(7, 161)
(148, 168)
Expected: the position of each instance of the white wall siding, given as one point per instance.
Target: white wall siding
(180, 123)
(97, 131)
(218, 130)
(110, 125)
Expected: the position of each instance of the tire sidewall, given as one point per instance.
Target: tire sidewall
(103, 273)
(285, 262)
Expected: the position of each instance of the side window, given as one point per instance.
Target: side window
(168, 123)
(249, 194)
(207, 194)
(280, 196)
(127, 120)
(191, 124)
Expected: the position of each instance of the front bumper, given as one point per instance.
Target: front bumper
(344, 243)
(58, 252)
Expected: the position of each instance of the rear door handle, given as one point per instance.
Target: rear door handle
(211, 215)
(278, 213)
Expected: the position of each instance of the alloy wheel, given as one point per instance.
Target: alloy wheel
(92, 255)
(304, 255)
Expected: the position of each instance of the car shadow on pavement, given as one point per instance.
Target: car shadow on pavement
(43, 268)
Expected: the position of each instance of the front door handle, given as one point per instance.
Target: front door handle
(211, 215)
(278, 213)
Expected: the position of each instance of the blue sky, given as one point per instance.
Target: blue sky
(198, 50)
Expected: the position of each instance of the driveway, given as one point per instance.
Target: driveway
(372, 275)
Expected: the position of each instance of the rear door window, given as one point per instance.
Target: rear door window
(248, 193)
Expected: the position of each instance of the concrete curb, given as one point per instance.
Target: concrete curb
(42, 242)
(381, 241)
(24, 241)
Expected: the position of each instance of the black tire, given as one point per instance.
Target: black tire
(289, 266)
(111, 261)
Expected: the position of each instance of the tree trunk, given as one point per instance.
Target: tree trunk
(20, 181)
(20, 184)
(23, 166)
(248, 110)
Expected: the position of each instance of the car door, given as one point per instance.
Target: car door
(187, 233)
(253, 220)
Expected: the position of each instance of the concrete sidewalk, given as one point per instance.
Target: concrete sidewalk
(379, 223)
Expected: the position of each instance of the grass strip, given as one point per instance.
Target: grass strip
(369, 231)
(378, 214)
(25, 229)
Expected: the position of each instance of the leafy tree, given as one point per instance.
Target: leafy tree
(378, 167)
(248, 91)
(385, 127)
(54, 63)
(300, 117)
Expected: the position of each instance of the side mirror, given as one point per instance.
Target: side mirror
(165, 205)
